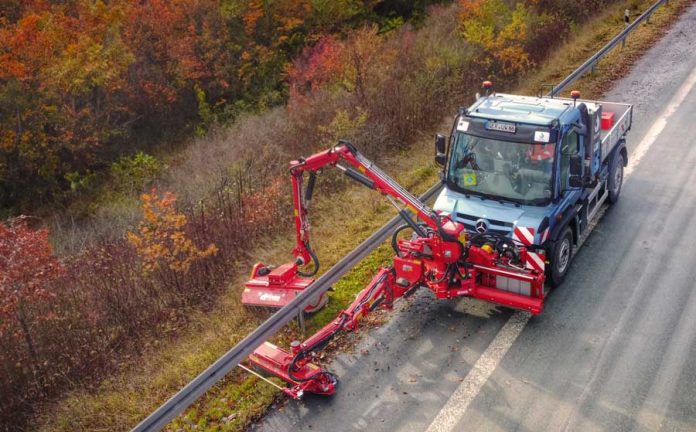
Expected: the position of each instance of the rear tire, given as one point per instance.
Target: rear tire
(561, 256)
(616, 174)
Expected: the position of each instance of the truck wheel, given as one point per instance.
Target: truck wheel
(561, 256)
(616, 174)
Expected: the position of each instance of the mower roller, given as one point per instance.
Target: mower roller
(439, 255)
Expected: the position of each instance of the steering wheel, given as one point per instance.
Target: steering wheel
(468, 159)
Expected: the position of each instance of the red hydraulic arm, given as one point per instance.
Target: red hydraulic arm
(296, 367)
(439, 256)
(275, 287)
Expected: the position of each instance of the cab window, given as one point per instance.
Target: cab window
(569, 147)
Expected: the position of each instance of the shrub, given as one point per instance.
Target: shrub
(161, 241)
(135, 173)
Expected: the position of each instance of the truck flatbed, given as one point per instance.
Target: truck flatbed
(623, 118)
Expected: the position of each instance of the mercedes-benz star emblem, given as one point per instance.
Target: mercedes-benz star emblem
(481, 226)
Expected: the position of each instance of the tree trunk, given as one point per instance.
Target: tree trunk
(22, 318)
(37, 378)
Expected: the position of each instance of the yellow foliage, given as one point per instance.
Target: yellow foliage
(499, 32)
(161, 240)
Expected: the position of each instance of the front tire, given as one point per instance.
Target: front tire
(561, 257)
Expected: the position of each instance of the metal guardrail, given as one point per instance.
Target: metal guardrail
(215, 372)
(592, 61)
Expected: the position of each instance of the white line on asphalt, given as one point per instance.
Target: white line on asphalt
(660, 124)
(454, 409)
(457, 404)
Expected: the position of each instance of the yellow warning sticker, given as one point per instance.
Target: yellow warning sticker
(469, 179)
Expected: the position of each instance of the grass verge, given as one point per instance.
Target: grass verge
(343, 221)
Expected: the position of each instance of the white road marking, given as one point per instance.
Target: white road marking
(457, 404)
(660, 124)
(453, 411)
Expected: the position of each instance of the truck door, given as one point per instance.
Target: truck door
(571, 145)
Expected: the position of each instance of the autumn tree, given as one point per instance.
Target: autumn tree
(179, 46)
(318, 66)
(161, 240)
(27, 270)
(61, 75)
(499, 33)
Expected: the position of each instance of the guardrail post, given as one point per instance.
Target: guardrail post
(301, 320)
(301, 323)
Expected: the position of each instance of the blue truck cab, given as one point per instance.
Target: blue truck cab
(535, 169)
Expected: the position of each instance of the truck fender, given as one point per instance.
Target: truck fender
(568, 218)
(624, 152)
(620, 148)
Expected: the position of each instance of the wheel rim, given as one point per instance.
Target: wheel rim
(563, 256)
(618, 177)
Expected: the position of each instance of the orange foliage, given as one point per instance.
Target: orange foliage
(252, 15)
(317, 66)
(161, 240)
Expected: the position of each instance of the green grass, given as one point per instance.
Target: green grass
(342, 222)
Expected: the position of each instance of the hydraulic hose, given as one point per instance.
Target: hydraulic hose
(322, 343)
(305, 352)
(498, 240)
(315, 261)
(447, 274)
(394, 239)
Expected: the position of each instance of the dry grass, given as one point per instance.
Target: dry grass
(127, 396)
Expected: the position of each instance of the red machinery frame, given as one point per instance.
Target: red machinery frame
(439, 256)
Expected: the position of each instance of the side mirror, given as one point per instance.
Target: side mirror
(575, 167)
(440, 149)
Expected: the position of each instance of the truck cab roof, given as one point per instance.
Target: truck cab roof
(520, 109)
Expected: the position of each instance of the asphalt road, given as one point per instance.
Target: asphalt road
(615, 348)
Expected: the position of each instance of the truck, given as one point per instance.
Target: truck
(534, 169)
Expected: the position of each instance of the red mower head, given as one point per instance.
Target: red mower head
(306, 377)
(274, 287)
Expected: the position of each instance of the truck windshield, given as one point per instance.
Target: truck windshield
(502, 170)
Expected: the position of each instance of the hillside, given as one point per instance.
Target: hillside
(385, 90)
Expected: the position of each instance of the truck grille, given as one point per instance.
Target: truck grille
(496, 226)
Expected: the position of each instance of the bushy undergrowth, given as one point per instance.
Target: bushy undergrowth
(381, 91)
(83, 82)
